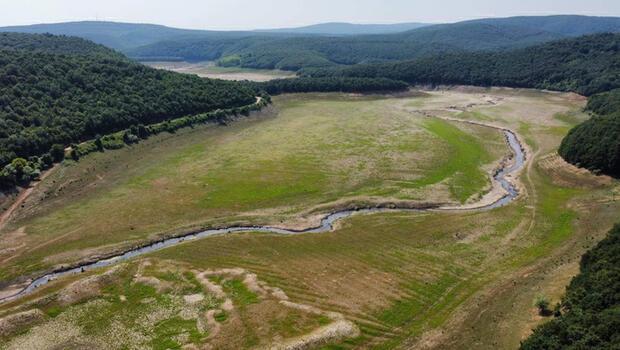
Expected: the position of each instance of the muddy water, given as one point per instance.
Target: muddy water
(326, 225)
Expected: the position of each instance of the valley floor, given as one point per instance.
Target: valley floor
(211, 70)
(425, 280)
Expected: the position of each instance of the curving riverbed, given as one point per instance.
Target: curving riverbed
(501, 177)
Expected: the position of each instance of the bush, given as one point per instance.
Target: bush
(57, 152)
(542, 304)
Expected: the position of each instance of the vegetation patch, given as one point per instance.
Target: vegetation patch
(138, 309)
(589, 313)
(464, 156)
(318, 150)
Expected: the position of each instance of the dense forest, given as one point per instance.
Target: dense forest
(589, 314)
(53, 91)
(52, 44)
(294, 53)
(280, 86)
(586, 65)
(605, 103)
(290, 52)
(595, 144)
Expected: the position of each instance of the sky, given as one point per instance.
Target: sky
(260, 14)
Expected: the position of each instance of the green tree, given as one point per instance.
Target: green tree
(57, 152)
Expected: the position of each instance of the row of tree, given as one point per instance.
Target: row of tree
(329, 84)
(589, 314)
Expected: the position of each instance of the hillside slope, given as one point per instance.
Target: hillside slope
(340, 28)
(119, 35)
(587, 65)
(590, 316)
(565, 25)
(319, 51)
(48, 98)
(595, 144)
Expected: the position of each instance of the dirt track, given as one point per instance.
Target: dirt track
(22, 197)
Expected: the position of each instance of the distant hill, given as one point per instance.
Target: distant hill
(328, 44)
(121, 36)
(474, 36)
(340, 28)
(54, 44)
(323, 51)
(565, 25)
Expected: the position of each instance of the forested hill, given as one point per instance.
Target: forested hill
(587, 65)
(118, 35)
(595, 144)
(52, 91)
(565, 25)
(317, 51)
(54, 44)
(324, 45)
(321, 51)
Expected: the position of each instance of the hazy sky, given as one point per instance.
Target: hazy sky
(246, 14)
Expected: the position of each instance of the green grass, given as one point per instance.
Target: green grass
(167, 330)
(396, 274)
(221, 317)
(241, 295)
(476, 115)
(464, 155)
(418, 251)
(571, 118)
(319, 149)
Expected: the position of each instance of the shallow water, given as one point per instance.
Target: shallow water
(326, 225)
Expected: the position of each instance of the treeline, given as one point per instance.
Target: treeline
(54, 92)
(280, 86)
(605, 103)
(595, 144)
(586, 65)
(139, 132)
(275, 57)
(589, 314)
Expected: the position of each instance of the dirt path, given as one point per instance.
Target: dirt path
(21, 198)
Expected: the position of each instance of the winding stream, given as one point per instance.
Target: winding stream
(327, 223)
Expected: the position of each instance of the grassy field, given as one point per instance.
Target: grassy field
(311, 154)
(210, 70)
(407, 280)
